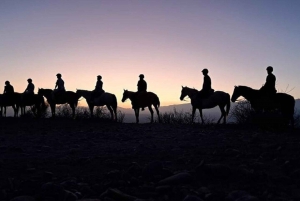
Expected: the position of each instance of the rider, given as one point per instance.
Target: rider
(98, 91)
(8, 90)
(141, 88)
(59, 86)
(142, 84)
(206, 87)
(30, 87)
(269, 87)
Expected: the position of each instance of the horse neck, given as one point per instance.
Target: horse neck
(85, 94)
(130, 94)
(191, 92)
(48, 93)
(248, 93)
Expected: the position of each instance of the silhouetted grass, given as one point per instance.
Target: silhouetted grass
(180, 117)
(242, 113)
(32, 112)
(64, 111)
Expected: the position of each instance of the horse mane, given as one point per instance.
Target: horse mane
(247, 88)
(47, 90)
(190, 88)
(82, 90)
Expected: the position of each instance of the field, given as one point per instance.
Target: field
(65, 159)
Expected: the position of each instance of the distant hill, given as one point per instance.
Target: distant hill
(213, 113)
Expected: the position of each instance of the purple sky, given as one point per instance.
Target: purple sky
(170, 42)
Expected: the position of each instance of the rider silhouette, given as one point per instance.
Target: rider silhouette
(59, 86)
(8, 91)
(142, 84)
(30, 87)
(98, 91)
(206, 87)
(268, 90)
(269, 87)
(141, 88)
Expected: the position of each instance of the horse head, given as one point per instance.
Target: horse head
(183, 93)
(125, 95)
(236, 93)
(186, 91)
(45, 92)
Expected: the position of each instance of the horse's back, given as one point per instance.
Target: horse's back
(285, 100)
(285, 96)
(220, 92)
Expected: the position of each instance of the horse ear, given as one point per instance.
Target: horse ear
(181, 86)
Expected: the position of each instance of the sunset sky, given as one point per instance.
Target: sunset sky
(169, 41)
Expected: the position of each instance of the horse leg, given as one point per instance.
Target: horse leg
(115, 111)
(193, 114)
(73, 110)
(111, 111)
(53, 110)
(137, 111)
(91, 107)
(201, 115)
(151, 111)
(223, 114)
(15, 111)
(157, 112)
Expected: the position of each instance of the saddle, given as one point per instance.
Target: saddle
(27, 97)
(59, 96)
(205, 94)
(97, 96)
(139, 99)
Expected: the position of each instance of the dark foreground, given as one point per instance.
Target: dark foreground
(67, 160)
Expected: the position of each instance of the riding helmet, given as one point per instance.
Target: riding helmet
(205, 70)
(29, 80)
(58, 75)
(141, 75)
(270, 68)
(99, 76)
(6, 82)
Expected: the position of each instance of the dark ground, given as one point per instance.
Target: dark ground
(66, 159)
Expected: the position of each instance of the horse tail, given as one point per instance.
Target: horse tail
(291, 111)
(43, 102)
(228, 104)
(157, 100)
(114, 102)
(76, 100)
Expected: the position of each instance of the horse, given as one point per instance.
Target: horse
(218, 98)
(7, 100)
(107, 99)
(146, 100)
(282, 102)
(69, 97)
(35, 100)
